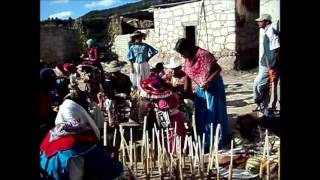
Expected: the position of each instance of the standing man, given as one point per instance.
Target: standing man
(268, 76)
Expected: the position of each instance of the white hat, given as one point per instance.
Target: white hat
(174, 62)
(113, 66)
(264, 17)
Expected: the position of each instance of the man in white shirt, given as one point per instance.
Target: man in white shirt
(268, 75)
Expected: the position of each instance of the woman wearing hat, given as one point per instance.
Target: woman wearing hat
(139, 55)
(117, 88)
(210, 100)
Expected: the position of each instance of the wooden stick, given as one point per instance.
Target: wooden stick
(174, 139)
(162, 140)
(279, 163)
(171, 166)
(168, 140)
(190, 154)
(143, 138)
(153, 143)
(194, 127)
(130, 146)
(203, 141)
(158, 146)
(135, 157)
(231, 162)
(200, 155)
(210, 150)
(195, 146)
(211, 138)
(263, 156)
(123, 154)
(216, 150)
(114, 137)
(147, 150)
(105, 133)
(207, 98)
(268, 157)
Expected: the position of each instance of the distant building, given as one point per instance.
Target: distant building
(225, 27)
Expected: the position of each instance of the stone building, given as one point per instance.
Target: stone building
(224, 27)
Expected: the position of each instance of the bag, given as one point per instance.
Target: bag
(163, 118)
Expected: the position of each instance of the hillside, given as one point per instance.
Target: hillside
(131, 7)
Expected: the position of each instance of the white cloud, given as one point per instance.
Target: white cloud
(58, 1)
(104, 3)
(61, 15)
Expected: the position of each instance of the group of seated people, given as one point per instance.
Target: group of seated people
(70, 129)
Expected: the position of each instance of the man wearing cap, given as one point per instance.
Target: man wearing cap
(139, 55)
(268, 75)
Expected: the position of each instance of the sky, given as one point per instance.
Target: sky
(63, 9)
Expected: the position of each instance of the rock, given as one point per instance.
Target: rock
(230, 46)
(230, 23)
(185, 18)
(223, 17)
(193, 17)
(227, 63)
(231, 29)
(216, 33)
(168, 14)
(219, 40)
(209, 8)
(224, 31)
(231, 38)
(231, 17)
(215, 24)
(216, 47)
(178, 12)
(211, 17)
(188, 11)
(170, 28)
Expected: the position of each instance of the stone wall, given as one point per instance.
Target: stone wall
(218, 32)
(59, 45)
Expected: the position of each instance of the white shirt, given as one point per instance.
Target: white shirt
(272, 31)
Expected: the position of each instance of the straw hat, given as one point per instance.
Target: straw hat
(174, 62)
(263, 17)
(138, 33)
(113, 66)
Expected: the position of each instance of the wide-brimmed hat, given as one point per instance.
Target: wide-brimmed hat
(154, 88)
(113, 66)
(138, 33)
(174, 62)
(86, 67)
(264, 17)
